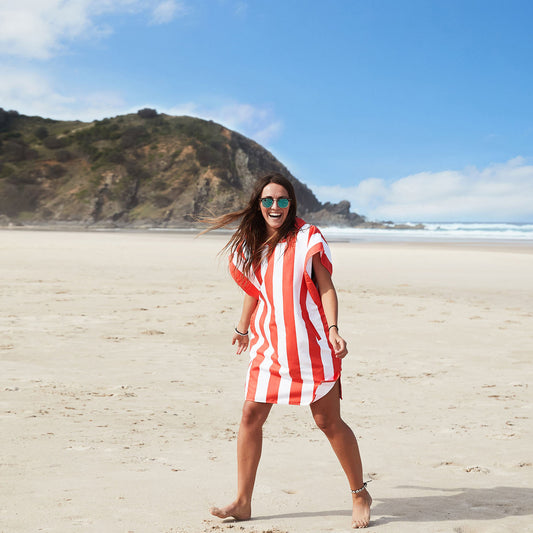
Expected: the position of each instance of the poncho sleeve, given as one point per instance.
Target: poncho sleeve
(247, 281)
(317, 244)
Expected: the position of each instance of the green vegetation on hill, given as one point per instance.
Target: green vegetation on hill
(138, 169)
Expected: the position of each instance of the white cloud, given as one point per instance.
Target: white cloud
(32, 28)
(501, 192)
(166, 11)
(257, 123)
(30, 92)
(39, 29)
(33, 93)
(269, 132)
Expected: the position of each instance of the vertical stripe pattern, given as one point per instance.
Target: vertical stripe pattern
(291, 359)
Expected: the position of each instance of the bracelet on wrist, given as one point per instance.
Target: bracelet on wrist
(333, 326)
(241, 334)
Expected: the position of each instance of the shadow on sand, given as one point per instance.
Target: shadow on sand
(449, 504)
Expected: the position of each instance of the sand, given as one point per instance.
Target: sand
(120, 393)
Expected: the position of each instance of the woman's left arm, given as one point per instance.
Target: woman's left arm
(328, 295)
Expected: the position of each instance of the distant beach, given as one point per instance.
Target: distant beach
(445, 232)
(120, 393)
(440, 232)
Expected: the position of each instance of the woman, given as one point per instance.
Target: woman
(290, 309)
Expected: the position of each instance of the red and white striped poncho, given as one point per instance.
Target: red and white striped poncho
(291, 358)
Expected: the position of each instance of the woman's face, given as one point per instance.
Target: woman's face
(275, 215)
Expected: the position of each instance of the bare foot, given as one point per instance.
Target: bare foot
(361, 509)
(233, 510)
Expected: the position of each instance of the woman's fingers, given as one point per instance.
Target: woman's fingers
(339, 345)
(242, 343)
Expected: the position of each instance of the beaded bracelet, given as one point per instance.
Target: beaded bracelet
(357, 491)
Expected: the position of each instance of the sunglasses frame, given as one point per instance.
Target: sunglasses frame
(270, 201)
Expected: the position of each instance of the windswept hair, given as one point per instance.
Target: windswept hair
(250, 238)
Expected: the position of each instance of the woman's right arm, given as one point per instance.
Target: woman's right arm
(248, 307)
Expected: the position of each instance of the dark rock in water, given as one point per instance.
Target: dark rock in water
(409, 226)
(335, 215)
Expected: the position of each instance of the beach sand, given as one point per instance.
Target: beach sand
(120, 393)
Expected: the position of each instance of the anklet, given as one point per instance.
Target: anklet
(357, 491)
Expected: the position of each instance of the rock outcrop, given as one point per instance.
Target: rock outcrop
(144, 169)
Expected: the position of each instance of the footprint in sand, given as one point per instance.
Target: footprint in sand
(477, 469)
(114, 339)
(445, 463)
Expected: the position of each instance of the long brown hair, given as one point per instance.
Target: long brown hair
(251, 237)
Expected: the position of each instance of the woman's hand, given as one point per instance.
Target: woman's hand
(248, 307)
(242, 342)
(328, 296)
(338, 343)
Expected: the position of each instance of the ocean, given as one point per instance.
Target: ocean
(439, 232)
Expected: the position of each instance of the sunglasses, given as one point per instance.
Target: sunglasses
(267, 202)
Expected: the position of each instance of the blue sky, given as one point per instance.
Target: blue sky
(414, 110)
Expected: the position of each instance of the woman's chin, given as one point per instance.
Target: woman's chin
(274, 227)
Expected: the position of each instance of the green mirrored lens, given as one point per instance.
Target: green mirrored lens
(269, 202)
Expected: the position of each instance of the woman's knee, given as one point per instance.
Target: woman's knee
(327, 422)
(254, 414)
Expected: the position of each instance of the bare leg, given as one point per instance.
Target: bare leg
(249, 445)
(326, 413)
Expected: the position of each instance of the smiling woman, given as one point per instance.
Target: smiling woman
(289, 321)
(274, 203)
(257, 220)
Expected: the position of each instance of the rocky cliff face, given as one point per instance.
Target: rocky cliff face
(144, 169)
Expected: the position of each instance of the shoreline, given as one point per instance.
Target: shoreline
(362, 236)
